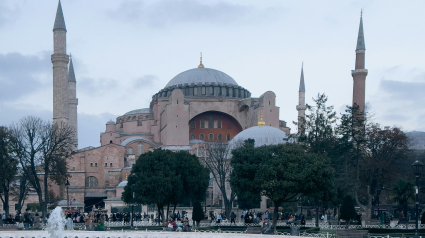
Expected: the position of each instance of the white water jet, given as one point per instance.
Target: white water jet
(56, 223)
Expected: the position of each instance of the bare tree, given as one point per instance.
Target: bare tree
(8, 168)
(20, 189)
(42, 149)
(217, 160)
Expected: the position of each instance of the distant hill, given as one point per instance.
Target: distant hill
(417, 140)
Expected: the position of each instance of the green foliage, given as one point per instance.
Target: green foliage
(166, 178)
(8, 166)
(198, 213)
(114, 210)
(403, 191)
(34, 207)
(246, 203)
(283, 173)
(348, 212)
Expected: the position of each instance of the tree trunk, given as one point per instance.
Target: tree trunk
(366, 208)
(46, 190)
(275, 214)
(6, 198)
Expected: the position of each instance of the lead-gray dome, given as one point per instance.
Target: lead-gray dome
(263, 135)
(203, 76)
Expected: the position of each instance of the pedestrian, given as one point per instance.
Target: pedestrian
(233, 218)
(36, 220)
(69, 223)
(423, 218)
(27, 219)
(171, 225)
(87, 221)
(218, 218)
(265, 227)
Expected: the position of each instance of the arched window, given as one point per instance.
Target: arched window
(210, 122)
(219, 123)
(201, 136)
(107, 183)
(219, 137)
(192, 136)
(139, 149)
(202, 123)
(228, 137)
(129, 151)
(91, 182)
(192, 125)
(228, 125)
(211, 137)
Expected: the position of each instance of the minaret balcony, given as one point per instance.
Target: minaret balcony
(301, 107)
(359, 72)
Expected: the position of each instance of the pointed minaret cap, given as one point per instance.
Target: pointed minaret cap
(360, 38)
(71, 74)
(302, 86)
(200, 64)
(59, 20)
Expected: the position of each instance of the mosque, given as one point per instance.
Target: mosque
(198, 105)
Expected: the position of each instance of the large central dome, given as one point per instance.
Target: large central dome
(203, 76)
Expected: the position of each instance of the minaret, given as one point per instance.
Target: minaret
(359, 73)
(301, 107)
(72, 100)
(60, 69)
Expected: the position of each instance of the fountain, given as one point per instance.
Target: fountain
(56, 223)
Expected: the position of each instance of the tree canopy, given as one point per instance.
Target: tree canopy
(167, 178)
(283, 173)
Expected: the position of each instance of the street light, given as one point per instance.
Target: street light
(133, 179)
(67, 195)
(417, 170)
(378, 192)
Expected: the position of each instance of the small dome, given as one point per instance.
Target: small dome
(263, 135)
(122, 184)
(110, 122)
(203, 76)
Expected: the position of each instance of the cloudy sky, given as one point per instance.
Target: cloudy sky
(125, 51)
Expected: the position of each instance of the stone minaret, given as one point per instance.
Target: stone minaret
(72, 100)
(301, 107)
(359, 73)
(60, 69)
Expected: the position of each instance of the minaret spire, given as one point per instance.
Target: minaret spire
(301, 107)
(302, 86)
(59, 20)
(71, 74)
(359, 73)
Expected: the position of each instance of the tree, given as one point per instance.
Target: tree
(8, 168)
(217, 160)
(283, 173)
(20, 189)
(317, 131)
(348, 212)
(42, 149)
(198, 213)
(403, 191)
(167, 178)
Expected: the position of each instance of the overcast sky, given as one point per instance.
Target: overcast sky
(126, 51)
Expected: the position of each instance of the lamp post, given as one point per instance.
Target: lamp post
(133, 179)
(417, 170)
(378, 192)
(67, 195)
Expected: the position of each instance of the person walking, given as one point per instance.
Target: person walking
(87, 221)
(233, 218)
(27, 220)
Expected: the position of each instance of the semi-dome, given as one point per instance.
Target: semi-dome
(203, 76)
(263, 135)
